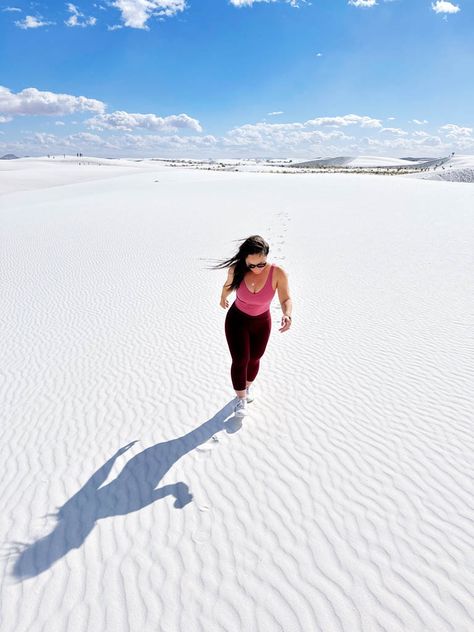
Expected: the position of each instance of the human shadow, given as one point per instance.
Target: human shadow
(135, 487)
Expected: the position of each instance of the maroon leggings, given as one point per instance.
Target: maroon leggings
(247, 337)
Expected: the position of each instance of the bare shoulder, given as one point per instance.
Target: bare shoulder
(280, 274)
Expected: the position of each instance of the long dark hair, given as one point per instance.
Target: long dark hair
(253, 245)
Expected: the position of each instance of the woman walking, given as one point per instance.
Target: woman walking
(248, 322)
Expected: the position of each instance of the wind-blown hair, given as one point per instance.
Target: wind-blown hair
(254, 245)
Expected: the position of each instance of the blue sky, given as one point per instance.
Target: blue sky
(237, 78)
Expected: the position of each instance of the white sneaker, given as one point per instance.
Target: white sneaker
(240, 408)
(250, 394)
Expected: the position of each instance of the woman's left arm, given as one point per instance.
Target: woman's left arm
(285, 299)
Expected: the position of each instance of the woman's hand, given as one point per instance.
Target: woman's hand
(224, 303)
(285, 323)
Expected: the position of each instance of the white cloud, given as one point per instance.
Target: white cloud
(128, 121)
(30, 22)
(417, 122)
(77, 18)
(33, 102)
(42, 139)
(348, 119)
(393, 130)
(136, 13)
(122, 144)
(5, 119)
(319, 54)
(86, 137)
(59, 123)
(408, 144)
(142, 135)
(442, 6)
(274, 113)
(12, 9)
(152, 141)
(455, 131)
(421, 134)
(269, 136)
(363, 3)
(278, 140)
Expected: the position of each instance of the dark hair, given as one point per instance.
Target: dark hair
(254, 245)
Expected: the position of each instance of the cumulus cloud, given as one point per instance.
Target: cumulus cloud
(123, 144)
(77, 18)
(31, 22)
(128, 121)
(393, 130)
(407, 144)
(86, 137)
(281, 140)
(5, 119)
(152, 141)
(417, 122)
(33, 102)
(363, 3)
(136, 13)
(348, 119)
(42, 138)
(285, 135)
(455, 131)
(133, 134)
(442, 6)
(420, 134)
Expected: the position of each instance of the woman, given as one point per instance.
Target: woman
(248, 322)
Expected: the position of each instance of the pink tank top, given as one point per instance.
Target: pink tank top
(256, 303)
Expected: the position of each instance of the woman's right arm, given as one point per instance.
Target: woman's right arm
(225, 289)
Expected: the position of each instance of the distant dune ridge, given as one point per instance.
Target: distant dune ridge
(375, 162)
(452, 168)
(133, 501)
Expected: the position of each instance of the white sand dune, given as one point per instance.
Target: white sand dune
(457, 169)
(380, 161)
(131, 499)
(42, 173)
(362, 162)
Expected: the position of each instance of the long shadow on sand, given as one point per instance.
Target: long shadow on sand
(133, 489)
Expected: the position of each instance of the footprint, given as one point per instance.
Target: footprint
(209, 446)
(202, 532)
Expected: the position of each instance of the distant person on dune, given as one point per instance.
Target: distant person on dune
(248, 322)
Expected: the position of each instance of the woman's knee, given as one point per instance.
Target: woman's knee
(240, 363)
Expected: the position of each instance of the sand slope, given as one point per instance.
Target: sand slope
(131, 499)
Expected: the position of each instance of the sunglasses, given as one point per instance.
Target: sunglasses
(251, 266)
